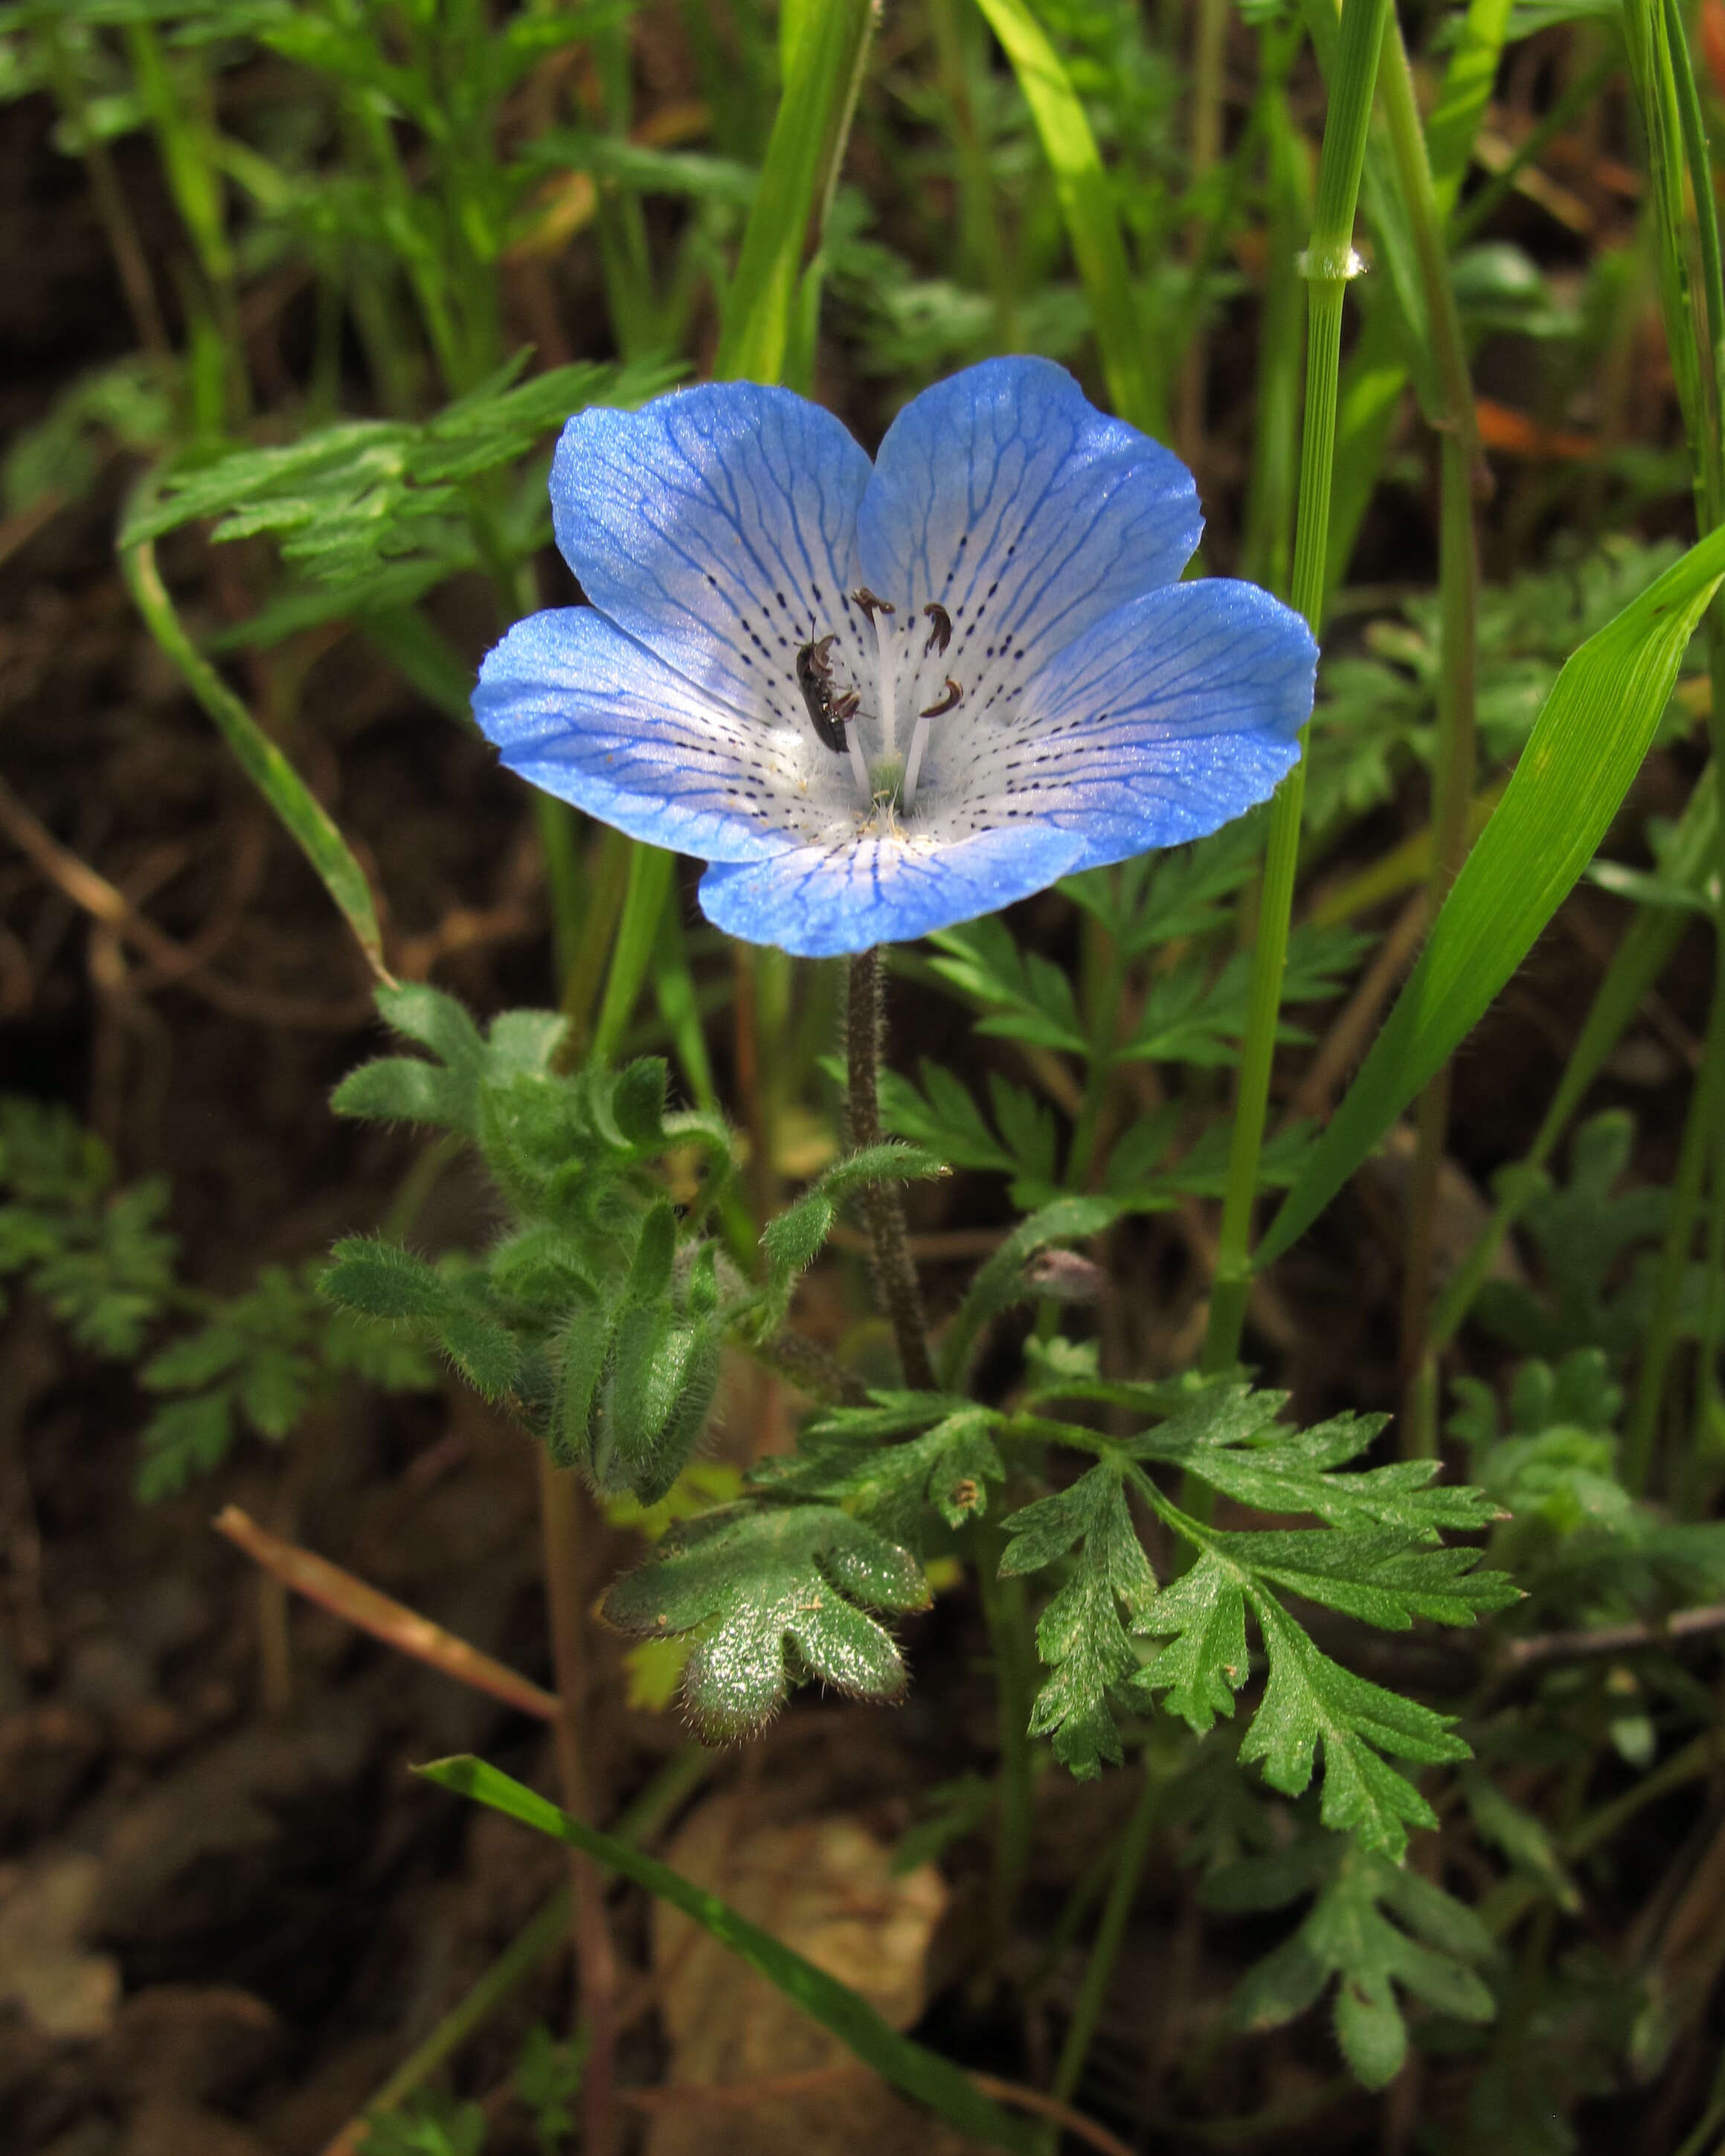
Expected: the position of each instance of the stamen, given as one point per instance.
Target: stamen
(941, 635)
(919, 741)
(860, 768)
(871, 605)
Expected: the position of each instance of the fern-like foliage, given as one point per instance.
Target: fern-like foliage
(1378, 1932)
(97, 1255)
(1380, 1560)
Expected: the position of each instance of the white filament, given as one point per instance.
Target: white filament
(888, 679)
(858, 763)
(913, 764)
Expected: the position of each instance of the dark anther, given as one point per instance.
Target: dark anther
(870, 605)
(954, 695)
(827, 712)
(941, 635)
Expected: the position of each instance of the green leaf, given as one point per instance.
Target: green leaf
(772, 1594)
(1000, 1283)
(1371, 1573)
(483, 1351)
(944, 1116)
(1310, 1700)
(183, 1439)
(382, 1279)
(921, 2074)
(1029, 996)
(663, 1374)
(1087, 205)
(799, 171)
(401, 1089)
(839, 1457)
(584, 1352)
(1584, 751)
(1080, 1634)
(1230, 1438)
(436, 1021)
(1206, 1662)
(793, 1240)
(1520, 1836)
(304, 818)
(1378, 1929)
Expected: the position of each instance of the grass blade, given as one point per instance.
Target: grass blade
(824, 49)
(307, 822)
(1082, 186)
(921, 2074)
(1584, 749)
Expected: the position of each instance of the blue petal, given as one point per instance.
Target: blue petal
(1177, 713)
(577, 707)
(717, 526)
(819, 902)
(1005, 496)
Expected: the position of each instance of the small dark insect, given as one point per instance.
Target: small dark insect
(941, 635)
(828, 712)
(954, 695)
(870, 605)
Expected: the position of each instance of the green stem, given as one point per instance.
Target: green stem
(1122, 1891)
(1105, 978)
(1695, 337)
(1453, 792)
(984, 248)
(130, 259)
(1008, 1615)
(1705, 1103)
(1269, 500)
(648, 886)
(894, 1273)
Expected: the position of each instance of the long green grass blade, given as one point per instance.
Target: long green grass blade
(824, 48)
(1585, 748)
(649, 882)
(1087, 205)
(921, 2074)
(307, 822)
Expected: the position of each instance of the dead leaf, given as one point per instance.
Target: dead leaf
(826, 1887)
(46, 1970)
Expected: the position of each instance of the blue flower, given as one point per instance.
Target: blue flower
(882, 699)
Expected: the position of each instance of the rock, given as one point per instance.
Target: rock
(190, 2042)
(63, 1989)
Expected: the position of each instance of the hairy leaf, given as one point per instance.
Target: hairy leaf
(773, 1594)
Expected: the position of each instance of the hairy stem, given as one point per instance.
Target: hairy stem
(895, 1275)
(560, 1521)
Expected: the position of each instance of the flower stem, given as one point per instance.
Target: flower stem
(560, 1519)
(895, 1275)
